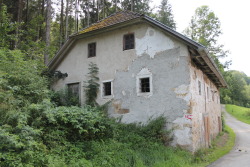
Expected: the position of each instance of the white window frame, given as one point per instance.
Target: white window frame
(102, 89)
(144, 73)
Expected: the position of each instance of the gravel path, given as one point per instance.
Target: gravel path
(239, 156)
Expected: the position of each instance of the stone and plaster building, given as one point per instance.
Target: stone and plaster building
(146, 70)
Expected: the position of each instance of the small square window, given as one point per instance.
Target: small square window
(128, 42)
(107, 89)
(91, 49)
(144, 85)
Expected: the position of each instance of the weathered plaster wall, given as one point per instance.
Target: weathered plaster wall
(163, 58)
(205, 103)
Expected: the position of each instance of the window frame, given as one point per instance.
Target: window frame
(143, 88)
(124, 41)
(138, 86)
(103, 89)
(89, 50)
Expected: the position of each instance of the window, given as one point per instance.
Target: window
(73, 92)
(91, 49)
(207, 93)
(144, 85)
(212, 92)
(199, 86)
(128, 42)
(107, 88)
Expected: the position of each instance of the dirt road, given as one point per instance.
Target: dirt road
(239, 156)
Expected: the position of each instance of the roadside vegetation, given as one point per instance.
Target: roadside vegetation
(222, 145)
(241, 113)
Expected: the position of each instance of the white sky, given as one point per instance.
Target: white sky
(235, 25)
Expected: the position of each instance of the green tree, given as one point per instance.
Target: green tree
(165, 14)
(205, 28)
(140, 6)
(6, 28)
(239, 90)
(92, 85)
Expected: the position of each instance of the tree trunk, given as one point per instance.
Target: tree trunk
(132, 5)
(103, 9)
(76, 16)
(19, 20)
(115, 5)
(27, 11)
(47, 35)
(1, 3)
(61, 24)
(88, 13)
(41, 30)
(67, 19)
(98, 4)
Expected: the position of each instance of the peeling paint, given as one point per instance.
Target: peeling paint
(123, 93)
(153, 42)
(183, 92)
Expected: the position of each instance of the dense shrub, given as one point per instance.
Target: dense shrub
(20, 83)
(64, 97)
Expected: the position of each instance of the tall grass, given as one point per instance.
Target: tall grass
(241, 113)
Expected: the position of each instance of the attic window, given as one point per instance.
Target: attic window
(128, 41)
(91, 50)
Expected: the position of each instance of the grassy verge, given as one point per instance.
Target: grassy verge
(219, 148)
(241, 113)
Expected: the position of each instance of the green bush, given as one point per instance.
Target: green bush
(20, 83)
(64, 97)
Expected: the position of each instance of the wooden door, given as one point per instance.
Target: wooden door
(207, 130)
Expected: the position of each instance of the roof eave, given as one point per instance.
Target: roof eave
(204, 54)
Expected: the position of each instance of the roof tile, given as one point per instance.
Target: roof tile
(113, 19)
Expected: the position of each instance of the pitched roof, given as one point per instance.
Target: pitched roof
(120, 19)
(113, 19)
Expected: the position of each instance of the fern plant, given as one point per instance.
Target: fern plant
(91, 86)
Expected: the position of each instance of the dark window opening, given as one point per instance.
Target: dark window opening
(107, 89)
(145, 85)
(73, 93)
(199, 85)
(92, 50)
(212, 92)
(128, 42)
(207, 93)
